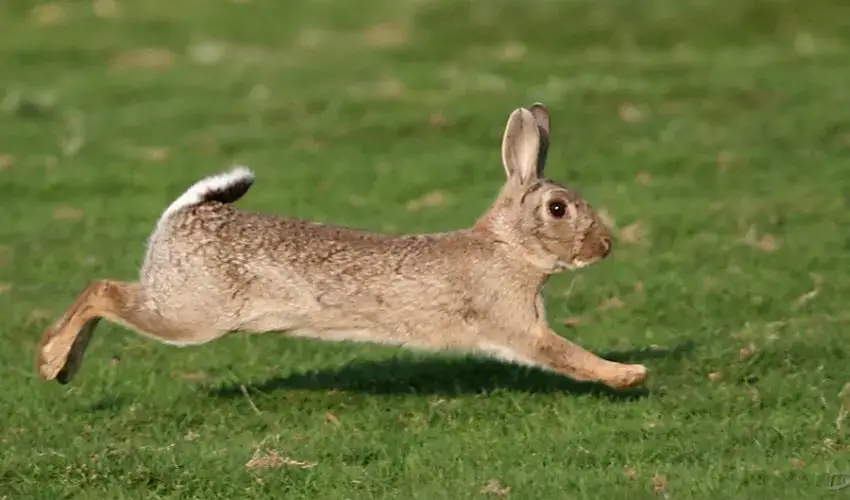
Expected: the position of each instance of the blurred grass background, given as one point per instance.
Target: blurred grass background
(715, 135)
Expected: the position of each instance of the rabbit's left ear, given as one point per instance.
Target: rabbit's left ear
(525, 143)
(541, 116)
(521, 147)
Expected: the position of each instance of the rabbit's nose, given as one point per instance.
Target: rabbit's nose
(606, 245)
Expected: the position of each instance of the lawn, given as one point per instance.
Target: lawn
(715, 136)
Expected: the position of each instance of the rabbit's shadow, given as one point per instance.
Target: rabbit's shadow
(451, 377)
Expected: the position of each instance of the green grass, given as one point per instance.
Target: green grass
(720, 129)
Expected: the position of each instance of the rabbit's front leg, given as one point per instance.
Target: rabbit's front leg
(548, 350)
(537, 345)
(552, 352)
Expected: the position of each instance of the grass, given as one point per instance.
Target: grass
(714, 134)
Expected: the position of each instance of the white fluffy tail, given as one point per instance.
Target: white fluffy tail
(225, 187)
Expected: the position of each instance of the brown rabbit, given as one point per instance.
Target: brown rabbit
(212, 269)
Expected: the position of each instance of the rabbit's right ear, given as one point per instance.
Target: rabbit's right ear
(521, 147)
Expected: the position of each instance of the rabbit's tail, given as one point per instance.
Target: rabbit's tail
(226, 187)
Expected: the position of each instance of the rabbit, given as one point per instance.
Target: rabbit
(211, 269)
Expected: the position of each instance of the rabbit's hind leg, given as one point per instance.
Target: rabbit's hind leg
(63, 344)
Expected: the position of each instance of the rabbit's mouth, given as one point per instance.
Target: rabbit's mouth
(573, 265)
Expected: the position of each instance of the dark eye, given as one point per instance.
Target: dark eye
(557, 209)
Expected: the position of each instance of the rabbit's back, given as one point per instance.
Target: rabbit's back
(213, 264)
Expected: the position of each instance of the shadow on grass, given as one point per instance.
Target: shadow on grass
(450, 377)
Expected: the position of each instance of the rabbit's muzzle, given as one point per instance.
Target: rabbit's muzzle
(596, 245)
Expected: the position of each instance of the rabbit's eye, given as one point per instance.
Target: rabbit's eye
(557, 209)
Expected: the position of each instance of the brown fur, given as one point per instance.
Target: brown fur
(212, 269)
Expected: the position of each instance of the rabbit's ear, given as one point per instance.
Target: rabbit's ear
(521, 147)
(541, 116)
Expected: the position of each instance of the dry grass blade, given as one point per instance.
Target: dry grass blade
(105, 9)
(68, 213)
(74, 137)
(643, 178)
(244, 391)
(190, 376)
(512, 51)
(48, 14)
(811, 294)
(6, 161)
(573, 321)
(633, 233)
(432, 199)
(611, 303)
(844, 407)
(765, 243)
(145, 58)
(388, 34)
(331, 418)
(631, 113)
(271, 459)
(494, 487)
(659, 485)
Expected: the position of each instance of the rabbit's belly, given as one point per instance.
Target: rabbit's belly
(502, 352)
(337, 335)
(366, 335)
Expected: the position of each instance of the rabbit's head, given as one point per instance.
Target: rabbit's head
(549, 225)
